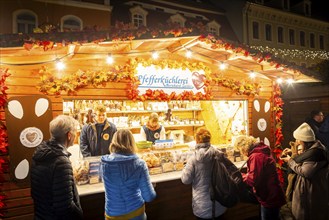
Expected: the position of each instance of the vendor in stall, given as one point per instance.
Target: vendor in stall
(96, 138)
(153, 131)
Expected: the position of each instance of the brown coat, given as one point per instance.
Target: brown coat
(311, 194)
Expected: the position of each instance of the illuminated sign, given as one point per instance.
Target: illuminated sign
(170, 80)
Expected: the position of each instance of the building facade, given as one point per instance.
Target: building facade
(178, 13)
(39, 16)
(284, 28)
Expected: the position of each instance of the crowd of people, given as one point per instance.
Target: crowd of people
(128, 185)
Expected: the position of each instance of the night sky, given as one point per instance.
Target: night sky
(319, 10)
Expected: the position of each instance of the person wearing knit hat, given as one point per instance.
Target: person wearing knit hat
(311, 183)
(304, 133)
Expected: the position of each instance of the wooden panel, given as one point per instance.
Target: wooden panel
(18, 202)
(14, 194)
(21, 213)
(173, 202)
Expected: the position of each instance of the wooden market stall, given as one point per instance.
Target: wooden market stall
(30, 74)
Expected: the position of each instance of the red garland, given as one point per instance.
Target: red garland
(3, 130)
(277, 109)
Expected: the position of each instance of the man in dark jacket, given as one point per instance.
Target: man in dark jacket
(96, 138)
(315, 121)
(52, 184)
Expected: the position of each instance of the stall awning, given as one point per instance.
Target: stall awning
(239, 61)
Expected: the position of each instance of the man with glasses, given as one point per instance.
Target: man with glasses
(96, 138)
(315, 121)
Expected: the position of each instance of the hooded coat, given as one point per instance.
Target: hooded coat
(127, 183)
(310, 199)
(53, 188)
(198, 173)
(263, 177)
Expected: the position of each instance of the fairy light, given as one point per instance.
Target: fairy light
(290, 81)
(294, 53)
(252, 74)
(188, 53)
(155, 55)
(59, 64)
(279, 80)
(109, 59)
(222, 66)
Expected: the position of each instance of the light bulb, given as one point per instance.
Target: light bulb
(109, 59)
(60, 65)
(155, 55)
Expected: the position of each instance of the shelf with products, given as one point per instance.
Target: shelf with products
(133, 115)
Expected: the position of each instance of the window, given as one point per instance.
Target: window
(268, 32)
(159, 9)
(71, 23)
(213, 27)
(255, 30)
(178, 19)
(291, 37)
(138, 16)
(321, 42)
(24, 21)
(138, 20)
(280, 34)
(302, 38)
(312, 41)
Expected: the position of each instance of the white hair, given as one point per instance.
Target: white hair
(60, 126)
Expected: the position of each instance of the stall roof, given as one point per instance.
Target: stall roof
(212, 53)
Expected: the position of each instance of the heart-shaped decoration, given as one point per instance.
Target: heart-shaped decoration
(198, 80)
(31, 136)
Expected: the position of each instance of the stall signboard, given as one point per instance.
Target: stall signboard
(170, 80)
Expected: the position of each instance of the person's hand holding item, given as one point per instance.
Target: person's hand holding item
(285, 156)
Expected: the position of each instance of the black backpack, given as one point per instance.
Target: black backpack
(225, 181)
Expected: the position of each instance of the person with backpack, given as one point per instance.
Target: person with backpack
(262, 176)
(197, 172)
(310, 197)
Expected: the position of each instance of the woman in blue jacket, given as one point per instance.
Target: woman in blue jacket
(126, 179)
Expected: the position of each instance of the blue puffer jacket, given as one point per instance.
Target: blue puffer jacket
(127, 183)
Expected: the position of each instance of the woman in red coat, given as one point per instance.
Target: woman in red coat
(262, 176)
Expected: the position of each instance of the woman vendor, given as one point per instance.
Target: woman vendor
(153, 131)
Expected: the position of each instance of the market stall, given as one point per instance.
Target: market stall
(208, 82)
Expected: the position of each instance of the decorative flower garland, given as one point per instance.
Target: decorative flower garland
(240, 87)
(51, 85)
(3, 130)
(278, 113)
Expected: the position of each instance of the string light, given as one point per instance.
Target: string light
(279, 80)
(59, 64)
(109, 59)
(222, 66)
(294, 53)
(252, 74)
(155, 55)
(188, 53)
(290, 81)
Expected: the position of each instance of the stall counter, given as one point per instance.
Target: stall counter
(158, 178)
